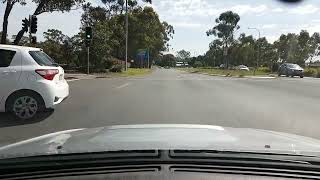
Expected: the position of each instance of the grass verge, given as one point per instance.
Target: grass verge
(135, 72)
(233, 73)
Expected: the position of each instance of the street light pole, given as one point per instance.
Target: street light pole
(127, 32)
(258, 60)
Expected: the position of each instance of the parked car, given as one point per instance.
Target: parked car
(223, 66)
(30, 81)
(292, 70)
(243, 68)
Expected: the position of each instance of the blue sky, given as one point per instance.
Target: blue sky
(192, 18)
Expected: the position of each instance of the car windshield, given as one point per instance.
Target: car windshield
(42, 58)
(293, 66)
(247, 70)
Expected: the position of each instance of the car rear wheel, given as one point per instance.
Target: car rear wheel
(25, 105)
(301, 76)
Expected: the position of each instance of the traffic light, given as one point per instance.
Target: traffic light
(34, 24)
(88, 33)
(25, 24)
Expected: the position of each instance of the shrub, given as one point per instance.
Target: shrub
(116, 68)
(318, 73)
(264, 69)
(310, 72)
(197, 64)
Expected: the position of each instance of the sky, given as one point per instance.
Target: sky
(192, 18)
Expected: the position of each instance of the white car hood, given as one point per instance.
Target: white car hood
(163, 137)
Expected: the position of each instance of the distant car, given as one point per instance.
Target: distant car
(243, 68)
(292, 70)
(222, 66)
(30, 81)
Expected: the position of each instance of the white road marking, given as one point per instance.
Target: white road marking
(122, 86)
(70, 80)
(262, 77)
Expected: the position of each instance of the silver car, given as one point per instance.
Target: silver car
(292, 70)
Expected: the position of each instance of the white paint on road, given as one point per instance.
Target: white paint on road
(71, 80)
(122, 86)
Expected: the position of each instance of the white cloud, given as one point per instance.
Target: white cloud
(269, 26)
(204, 8)
(247, 9)
(278, 10)
(272, 38)
(306, 9)
(186, 24)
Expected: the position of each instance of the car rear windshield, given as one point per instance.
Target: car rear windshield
(42, 58)
(293, 66)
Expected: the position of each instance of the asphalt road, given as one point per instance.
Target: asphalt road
(169, 96)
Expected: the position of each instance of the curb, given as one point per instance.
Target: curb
(252, 77)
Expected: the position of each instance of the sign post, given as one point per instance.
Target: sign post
(148, 59)
(88, 50)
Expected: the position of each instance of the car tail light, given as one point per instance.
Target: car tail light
(47, 74)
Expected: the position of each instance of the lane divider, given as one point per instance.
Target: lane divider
(123, 85)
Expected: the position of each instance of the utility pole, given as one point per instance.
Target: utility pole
(127, 32)
(148, 58)
(88, 40)
(258, 59)
(88, 68)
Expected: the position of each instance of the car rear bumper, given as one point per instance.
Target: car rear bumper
(297, 73)
(61, 95)
(53, 93)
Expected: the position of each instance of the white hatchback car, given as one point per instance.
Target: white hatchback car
(30, 81)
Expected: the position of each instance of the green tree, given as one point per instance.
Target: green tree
(7, 11)
(304, 42)
(7, 40)
(183, 55)
(59, 46)
(268, 53)
(314, 45)
(215, 53)
(24, 40)
(226, 25)
(246, 53)
(146, 31)
(167, 60)
(43, 6)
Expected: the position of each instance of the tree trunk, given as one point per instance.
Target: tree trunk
(19, 36)
(5, 21)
